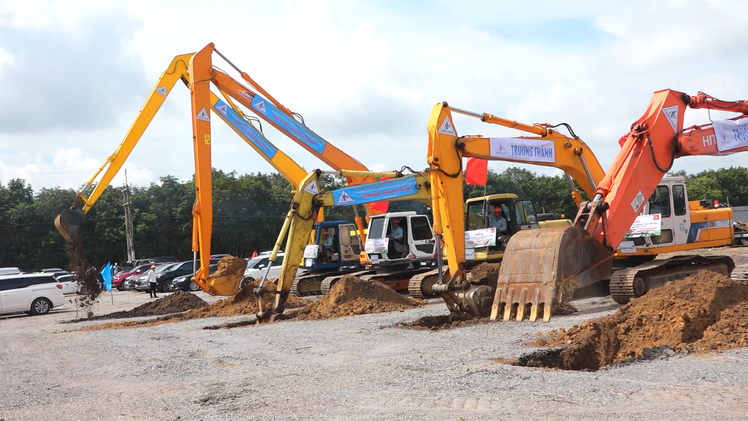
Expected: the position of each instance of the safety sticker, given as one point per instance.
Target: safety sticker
(312, 187)
(161, 90)
(671, 113)
(447, 127)
(637, 202)
(202, 115)
(345, 199)
(222, 109)
(260, 106)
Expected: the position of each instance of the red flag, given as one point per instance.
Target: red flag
(476, 171)
(254, 254)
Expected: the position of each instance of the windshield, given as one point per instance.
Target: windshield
(164, 268)
(376, 226)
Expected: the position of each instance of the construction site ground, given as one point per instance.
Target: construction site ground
(344, 358)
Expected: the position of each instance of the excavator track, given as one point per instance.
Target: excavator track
(740, 273)
(633, 282)
(420, 285)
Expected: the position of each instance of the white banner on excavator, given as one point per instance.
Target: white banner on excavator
(731, 134)
(480, 238)
(520, 149)
(645, 225)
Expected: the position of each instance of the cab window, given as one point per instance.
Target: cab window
(659, 202)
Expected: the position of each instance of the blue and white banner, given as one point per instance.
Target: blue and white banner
(480, 238)
(287, 123)
(731, 134)
(374, 192)
(246, 129)
(521, 149)
(106, 273)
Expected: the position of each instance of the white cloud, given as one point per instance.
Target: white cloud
(364, 75)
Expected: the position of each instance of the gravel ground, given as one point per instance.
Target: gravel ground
(353, 368)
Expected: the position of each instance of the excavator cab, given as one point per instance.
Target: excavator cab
(415, 247)
(482, 244)
(335, 246)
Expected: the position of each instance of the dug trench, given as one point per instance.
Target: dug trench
(349, 296)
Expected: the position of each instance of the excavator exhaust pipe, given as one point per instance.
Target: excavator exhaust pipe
(543, 268)
(68, 223)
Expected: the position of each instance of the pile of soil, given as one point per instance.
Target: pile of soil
(178, 302)
(702, 313)
(243, 302)
(350, 296)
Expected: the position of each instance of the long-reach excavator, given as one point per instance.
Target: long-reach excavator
(544, 268)
(203, 100)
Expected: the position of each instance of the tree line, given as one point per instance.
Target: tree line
(248, 212)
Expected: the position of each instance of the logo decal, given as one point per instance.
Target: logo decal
(345, 199)
(312, 187)
(447, 127)
(671, 113)
(161, 90)
(202, 115)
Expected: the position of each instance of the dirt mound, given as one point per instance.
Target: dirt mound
(177, 302)
(704, 312)
(351, 296)
(243, 302)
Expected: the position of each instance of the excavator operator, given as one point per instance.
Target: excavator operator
(498, 221)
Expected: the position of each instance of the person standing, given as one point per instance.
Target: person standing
(152, 281)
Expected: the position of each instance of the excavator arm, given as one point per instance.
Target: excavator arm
(546, 146)
(548, 266)
(69, 221)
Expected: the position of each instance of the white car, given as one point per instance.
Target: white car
(69, 286)
(33, 293)
(257, 266)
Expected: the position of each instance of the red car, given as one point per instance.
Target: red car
(119, 278)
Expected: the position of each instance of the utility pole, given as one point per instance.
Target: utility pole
(129, 231)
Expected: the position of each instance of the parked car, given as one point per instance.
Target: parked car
(181, 268)
(55, 271)
(256, 268)
(69, 284)
(122, 276)
(185, 282)
(133, 281)
(32, 293)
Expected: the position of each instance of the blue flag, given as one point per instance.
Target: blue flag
(106, 273)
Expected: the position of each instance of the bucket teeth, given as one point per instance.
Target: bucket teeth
(534, 312)
(547, 313)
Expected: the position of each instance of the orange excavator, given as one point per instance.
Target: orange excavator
(543, 268)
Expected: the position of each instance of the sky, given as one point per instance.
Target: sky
(364, 75)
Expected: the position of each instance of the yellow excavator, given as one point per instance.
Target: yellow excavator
(544, 268)
(307, 201)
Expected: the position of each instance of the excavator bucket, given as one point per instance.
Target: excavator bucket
(225, 280)
(68, 223)
(542, 268)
